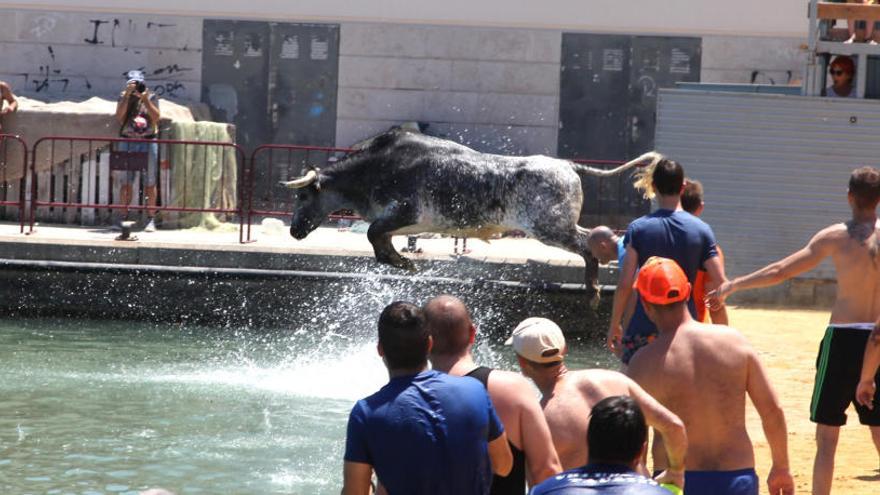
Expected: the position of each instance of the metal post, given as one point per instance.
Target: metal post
(862, 75)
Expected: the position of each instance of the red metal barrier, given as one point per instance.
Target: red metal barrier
(13, 163)
(56, 184)
(272, 163)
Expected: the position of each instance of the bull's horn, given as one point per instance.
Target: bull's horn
(304, 181)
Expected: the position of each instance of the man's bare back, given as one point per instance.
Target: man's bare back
(702, 376)
(854, 250)
(567, 409)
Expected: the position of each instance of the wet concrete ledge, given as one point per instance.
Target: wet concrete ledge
(195, 280)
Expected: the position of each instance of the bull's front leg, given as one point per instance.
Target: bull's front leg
(397, 215)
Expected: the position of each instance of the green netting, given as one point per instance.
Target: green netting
(201, 176)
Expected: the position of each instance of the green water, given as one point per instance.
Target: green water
(106, 407)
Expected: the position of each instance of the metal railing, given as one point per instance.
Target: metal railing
(13, 162)
(69, 178)
(71, 174)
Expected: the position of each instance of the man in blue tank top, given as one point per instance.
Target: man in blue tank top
(669, 232)
(617, 438)
(424, 432)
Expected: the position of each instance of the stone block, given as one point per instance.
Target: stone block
(394, 40)
(394, 73)
(110, 30)
(506, 77)
(518, 109)
(453, 107)
(8, 26)
(494, 44)
(349, 131)
(380, 104)
(501, 139)
(753, 53)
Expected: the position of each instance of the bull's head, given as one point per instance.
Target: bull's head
(310, 209)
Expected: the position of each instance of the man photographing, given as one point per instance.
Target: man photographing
(138, 114)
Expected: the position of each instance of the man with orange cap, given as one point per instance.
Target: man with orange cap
(703, 373)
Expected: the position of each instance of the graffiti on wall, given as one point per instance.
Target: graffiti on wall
(51, 77)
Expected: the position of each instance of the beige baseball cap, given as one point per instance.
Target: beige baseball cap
(538, 339)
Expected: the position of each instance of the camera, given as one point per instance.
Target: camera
(141, 87)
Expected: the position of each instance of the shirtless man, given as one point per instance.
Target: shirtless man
(8, 102)
(853, 247)
(703, 374)
(867, 389)
(568, 397)
(534, 458)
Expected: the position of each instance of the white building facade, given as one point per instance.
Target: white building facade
(487, 72)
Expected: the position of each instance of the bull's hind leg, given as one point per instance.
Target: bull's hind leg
(396, 216)
(574, 239)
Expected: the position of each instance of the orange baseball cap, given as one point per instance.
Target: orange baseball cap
(661, 281)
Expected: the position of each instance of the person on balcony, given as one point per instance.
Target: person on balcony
(862, 30)
(842, 71)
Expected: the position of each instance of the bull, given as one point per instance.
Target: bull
(404, 183)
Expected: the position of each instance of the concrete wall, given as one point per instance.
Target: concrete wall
(494, 89)
(51, 55)
(748, 59)
(679, 17)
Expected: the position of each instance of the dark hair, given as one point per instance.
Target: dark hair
(692, 196)
(403, 336)
(864, 185)
(617, 431)
(668, 177)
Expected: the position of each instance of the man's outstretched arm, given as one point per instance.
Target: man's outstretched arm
(796, 263)
(715, 269)
(871, 362)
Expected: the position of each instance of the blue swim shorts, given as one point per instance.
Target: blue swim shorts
(739, 482)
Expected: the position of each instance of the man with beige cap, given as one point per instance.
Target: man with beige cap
(569, 396)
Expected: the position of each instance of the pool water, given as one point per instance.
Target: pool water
(103, 407)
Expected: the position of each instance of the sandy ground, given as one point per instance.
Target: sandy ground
(788, 341)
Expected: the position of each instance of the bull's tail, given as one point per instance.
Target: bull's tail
(649, 160)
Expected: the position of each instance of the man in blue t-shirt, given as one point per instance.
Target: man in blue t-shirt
(669, 232)
(617, 438)
(424, 432)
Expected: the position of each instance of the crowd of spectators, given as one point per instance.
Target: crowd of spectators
(445, 424)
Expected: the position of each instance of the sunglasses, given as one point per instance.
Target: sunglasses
(837, 72)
